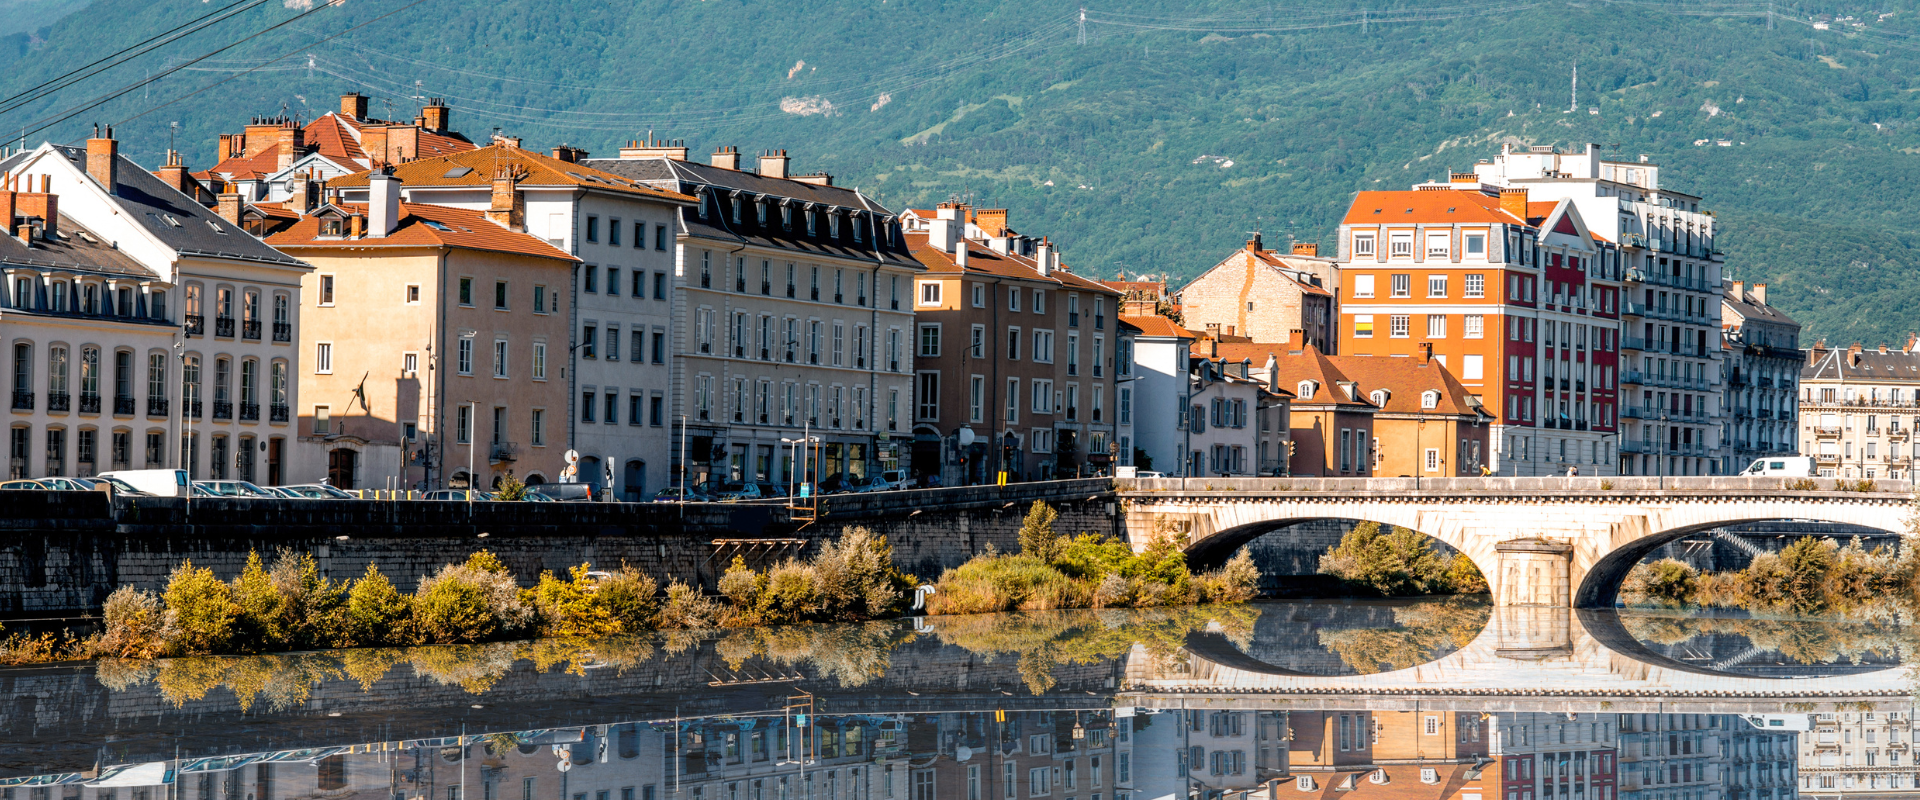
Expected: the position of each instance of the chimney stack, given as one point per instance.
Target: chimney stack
(1740, 291)
(353, 106)
(945, 230)
(383, 203)
(992, 222)
(1426, 353)
(1760, 293)
(1514, 201)
(569, 154)
(434, 116)
(1853, 355)
(1043, 256)
(508, 209)
(727, 157)
(1254, 245)
(42, 204)
(172, 173)
(228, 207)
(103, 162)
(1306, 248)
(675, 149)
(773, 164)
(960, 254)
(815, 178)
(9, 200)
(289, 138)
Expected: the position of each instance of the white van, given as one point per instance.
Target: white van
(1794, 466)
(160, 482)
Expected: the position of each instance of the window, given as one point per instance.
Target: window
(1472, 367)
(1039, 781)
(1043, 347)
(659, 286)
(1402, 285)
(592, 283)
(1439, 243)
(1013, 344)
(1039, 301)
(499, 358)
(613, 232)
(1398, 326)
(589, 341)
(326, 290)
(323, 358)
(539, 361)
(413, 293)
(1436, 326)
(1476, 244)
(1363, 284)
(1013, 298)
(613, 281)
(930, 293)
(1013, 399)
(1476, 285)
(1363, 326)
(1363, 244)
(466, 291)
(979, 295)
(659, 238)
(464, 363)
(322, 420)
(928, 395)
(929, 341)
(1436, 286)
(593, 229)
(1400, 245)
(1475, 326)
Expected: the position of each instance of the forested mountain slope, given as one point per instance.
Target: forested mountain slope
(1154, 144)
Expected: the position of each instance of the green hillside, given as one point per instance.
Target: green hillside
(1157, 144)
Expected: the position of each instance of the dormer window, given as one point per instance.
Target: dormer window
(833, 226)
(1306, 389)
(812, 223)
(786, 217)
(736, 210)
(1429, 399)
(1379, 397)
(760, 212)
(856, 230)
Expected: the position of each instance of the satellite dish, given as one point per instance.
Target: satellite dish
(966, 437)
(572, 456)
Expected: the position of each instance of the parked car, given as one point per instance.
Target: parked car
(121, 487)
(237, 489)
(567, 492)
(159, 482)
(674, 494)
(1149, 474)
(24, 485)
(312, 491)
(457, 494)
(772, 491)
(67, 484)
(537, 496)
(737, 490)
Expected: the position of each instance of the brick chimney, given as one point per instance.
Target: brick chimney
(353, 106)
(9, 200)
(727, 157)
(103, 159)
(434, 116)
(1306, 248)
(306, 191)
(675, 149)
(288, 138)
(1514, 201)
(172, 173)
(991, 221)
(43, 204)
(1883, 349)
(1760, 293)
(356, 226)
(228, 207)
(1426, 353)
(1254, 245)
(569, 153)
(261, 134)
(1853, 354)
(773, 164)
(230, 145)
(508, 209)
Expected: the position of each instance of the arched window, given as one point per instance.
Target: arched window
(1429, 399)
(1379, 397)
(249, 390)
(1306, 389)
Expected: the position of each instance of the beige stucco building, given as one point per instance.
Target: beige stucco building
(1858, 409)
(435, 349)
(1267, 296)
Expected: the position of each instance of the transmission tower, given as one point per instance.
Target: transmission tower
(1083, 26)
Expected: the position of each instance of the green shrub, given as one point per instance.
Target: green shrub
(1802, 485)
(1236, 581)
(1668, 579)
(376, 612)
(289, 607)
(201, 614)
(1397, 563)
(571, 608)
(1037, 537)
(1464, 577)
(453, 611)
(510, 490)
(687, 608)
(999, 583)
(632, 599)
(134, 625)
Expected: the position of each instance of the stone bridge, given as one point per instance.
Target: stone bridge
(1526, 659)
(1539, 541)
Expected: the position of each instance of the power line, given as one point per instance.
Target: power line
(143, 47)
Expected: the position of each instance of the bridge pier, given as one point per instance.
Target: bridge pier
(1532, 572)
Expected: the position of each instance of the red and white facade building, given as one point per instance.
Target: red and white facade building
(1520, 300)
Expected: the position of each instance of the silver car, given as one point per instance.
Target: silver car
(235, 489)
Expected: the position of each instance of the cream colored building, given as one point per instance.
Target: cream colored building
(435, 346)
(1858, 410)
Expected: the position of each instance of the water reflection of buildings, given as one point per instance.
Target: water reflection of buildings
(1860, 754)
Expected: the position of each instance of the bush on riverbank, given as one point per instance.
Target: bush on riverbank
(1810, 574)
(1086, 571)
(1398, 563)
(850, 579)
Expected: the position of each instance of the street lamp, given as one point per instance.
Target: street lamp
(794, 453)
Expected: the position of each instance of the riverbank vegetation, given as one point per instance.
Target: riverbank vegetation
(1087, 571)
(288, 605)
(1811, 574)
(1398, 563)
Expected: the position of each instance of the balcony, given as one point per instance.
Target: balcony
(194, 409)
(22, 401)
(250, 329)
(1899, 434)
(123, 406)
(196, 324)
(222, 409)
(1825, 433)
(223, 327)
(59, 401)
(1634, 240)
(283, 331)
(156, 406)
(278, 412)
(1827, 458)
(250, 412)
(89, 404)
(503, 452)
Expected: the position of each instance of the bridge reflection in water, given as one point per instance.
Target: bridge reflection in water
(1446, 700)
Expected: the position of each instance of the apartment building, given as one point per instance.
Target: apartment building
(792, 319)
(1859, 409)
(1018, 363)
(1859, 753)
(112, 275)
(1541, 756)
(1237, 419)
(617, 362)
(1703, 756)
(1667, 269)
(1384, 754)
(276, 163)
(437, 339)
(1267, 296)
(1760, 370)
(1519, 299)
(1158, 396)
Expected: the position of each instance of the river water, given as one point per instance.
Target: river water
(1437, 700)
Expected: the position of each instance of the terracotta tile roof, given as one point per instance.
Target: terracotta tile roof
(424, 225)
(333, 137)
(1073, 281)
(252, 167)
(1158, 326)
(1405, 379)
(1308, 364)
(476, 168)
(1445, 205)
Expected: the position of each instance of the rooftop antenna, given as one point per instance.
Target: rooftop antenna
(172, 128)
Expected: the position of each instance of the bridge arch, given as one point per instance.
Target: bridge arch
(1600, 588)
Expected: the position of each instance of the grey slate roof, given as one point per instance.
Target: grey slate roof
(1747, 309)
(685, 176)
(158, 207)
(1893, 366)
(73, 248)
